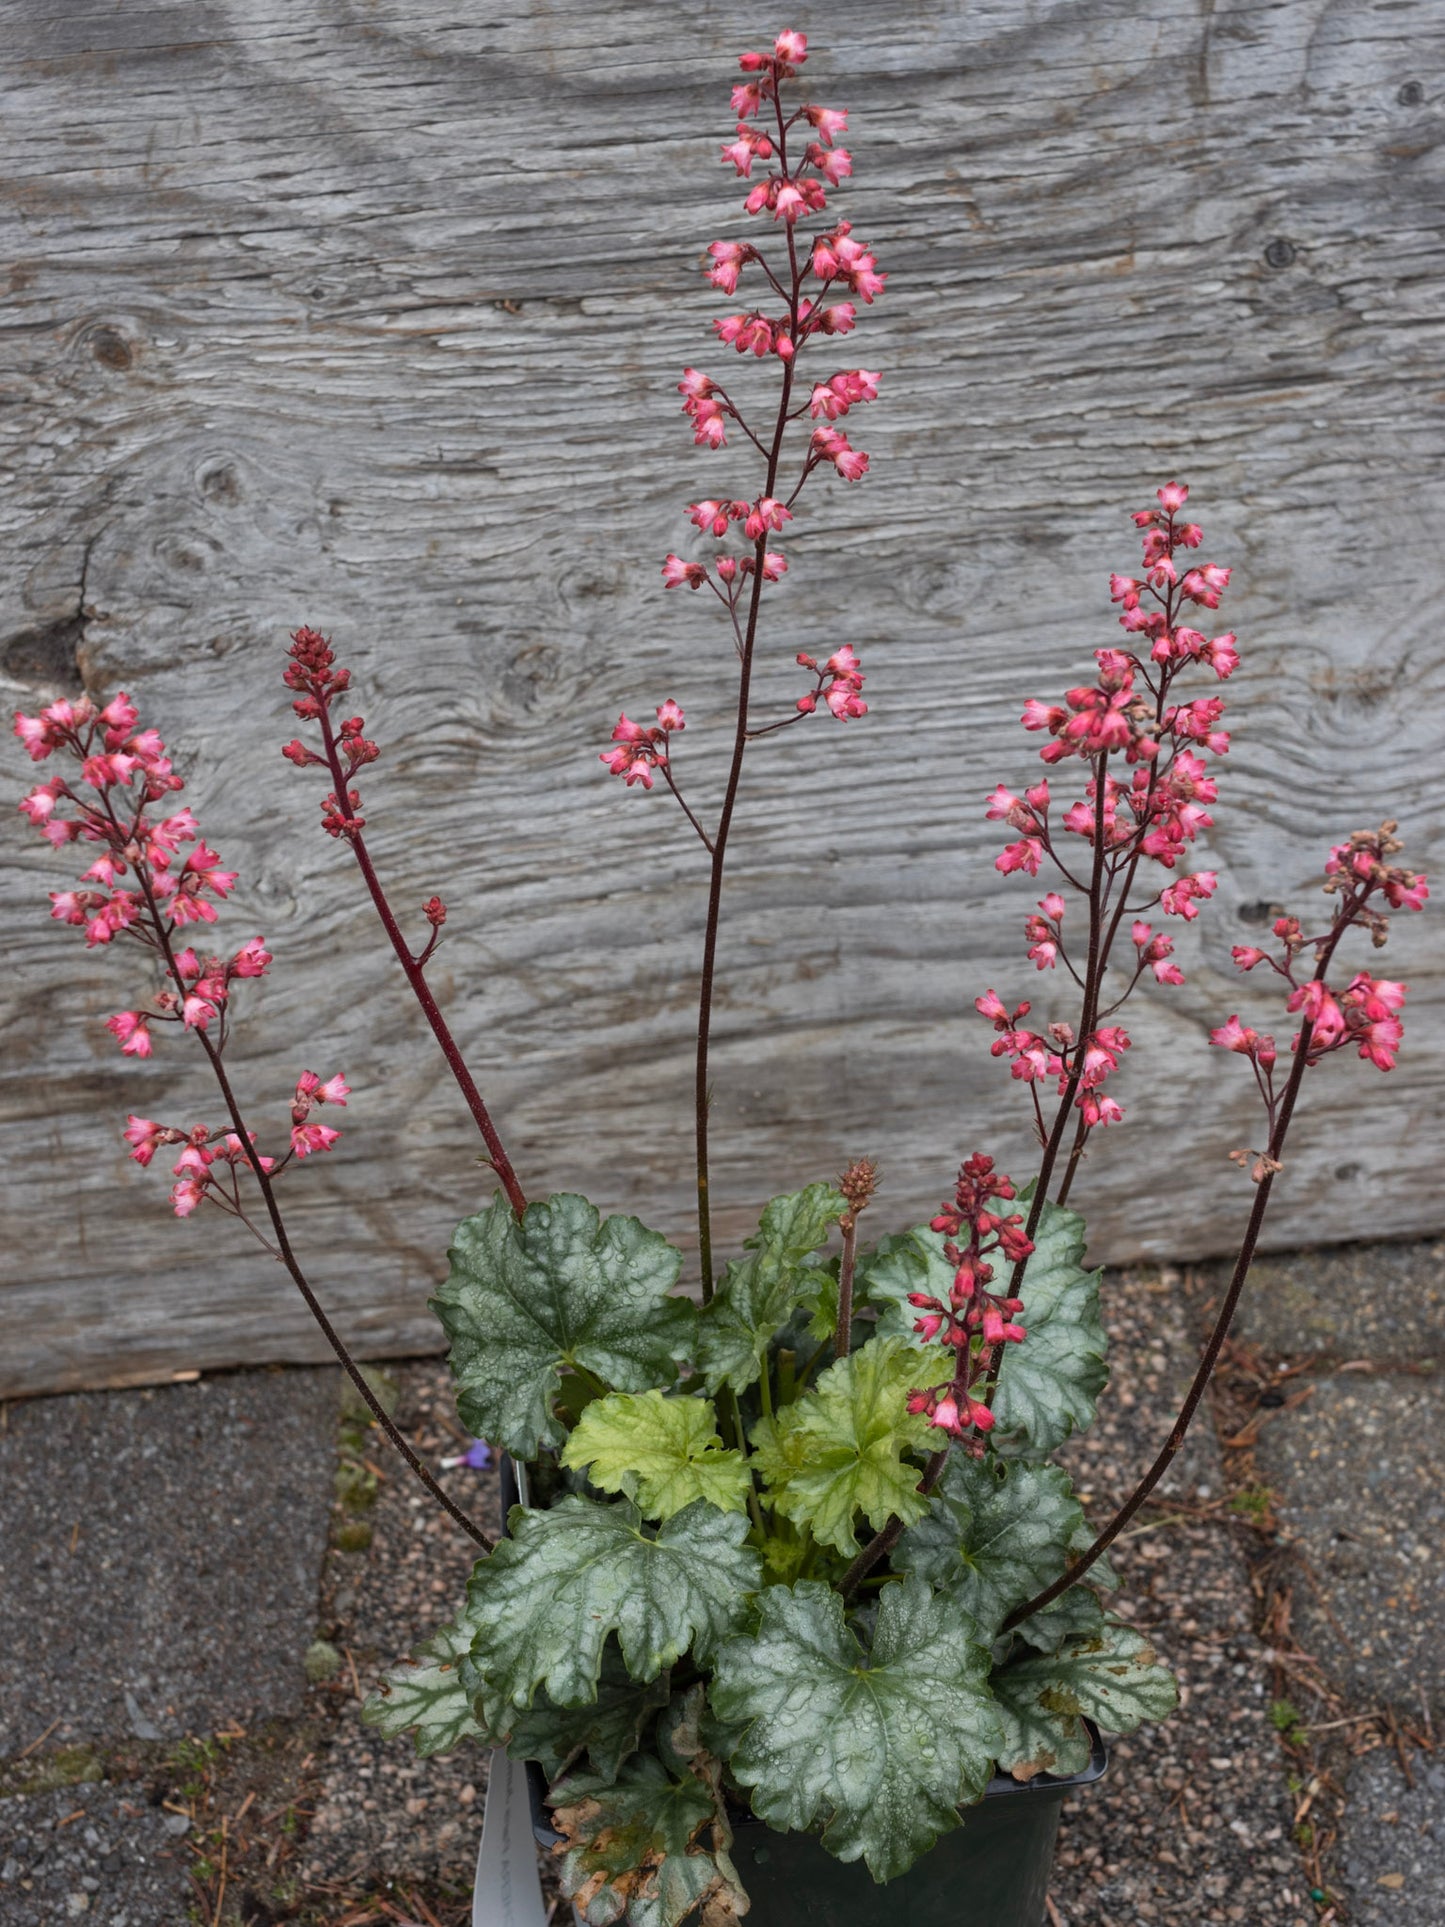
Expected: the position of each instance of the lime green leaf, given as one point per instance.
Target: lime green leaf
(997, 1532)
(880, 1748)
(839, 1449)
(609, 1731)
(1048, 1384)
(546, 1599)
(1111, 1676)
(648, 1846)
(661, 1452)
(559, 1292)
(759, 1293)
(429, 1695)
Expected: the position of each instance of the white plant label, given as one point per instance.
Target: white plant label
(508, 1892)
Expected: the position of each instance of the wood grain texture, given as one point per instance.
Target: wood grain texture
(367, 313)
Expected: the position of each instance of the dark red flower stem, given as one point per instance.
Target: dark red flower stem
(288, 1256)
(416, 977)
(1222, 1323)
(702, 1096)
(1093, 977)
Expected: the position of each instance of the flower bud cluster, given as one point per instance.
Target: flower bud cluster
(1365, 1015)
(209, 1166)
(839, 683)
(139, 885)
(973, 1321)
(1035, 1058)
(310, 668)
(640, 750)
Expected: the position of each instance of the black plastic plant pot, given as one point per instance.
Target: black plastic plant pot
(993, 1869)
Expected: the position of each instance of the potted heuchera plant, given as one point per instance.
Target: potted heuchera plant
(793, 1550)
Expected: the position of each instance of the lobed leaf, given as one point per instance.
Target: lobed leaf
(880, 1748)
(648, 1846)
(760, 1292)
(429, 1695)
(997, 1532)
(662, 1453)
(561, 1291)
(839, 1449)
(545, 1601)
(609, 1730)
(1049, 1385)
(1110, 1676)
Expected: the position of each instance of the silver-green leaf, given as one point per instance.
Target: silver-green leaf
(428, 1696)
(997, 1532)
(561, 1291)
(545, 1601)
(879, 1747)
(760, 1292)
(1111, 1676)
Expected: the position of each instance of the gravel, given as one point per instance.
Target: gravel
(382, 1817)
(161, 1553)
(1192, 1822)
(1360, 1468)
(1374, 1301)
(1393, 1844)
(93, 1854)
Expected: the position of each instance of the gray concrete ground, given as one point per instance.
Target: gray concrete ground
(189, 1621)
(159, 1555)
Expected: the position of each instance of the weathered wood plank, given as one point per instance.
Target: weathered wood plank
(368, 315)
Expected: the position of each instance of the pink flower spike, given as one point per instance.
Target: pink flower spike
(201, 864)
(36, 735)
(1181, 899)
(120, 713)
(1027, 854)
(129, 1028)
(39, 805)
(69, 906)
(1099, 1108)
